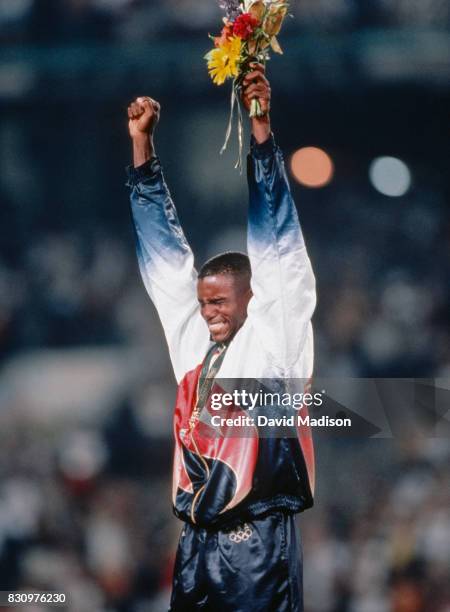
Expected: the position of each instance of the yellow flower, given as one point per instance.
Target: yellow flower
(223, 61)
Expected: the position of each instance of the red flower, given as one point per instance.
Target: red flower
(245, 25)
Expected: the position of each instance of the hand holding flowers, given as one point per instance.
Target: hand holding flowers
(256, 86)
(249, 31)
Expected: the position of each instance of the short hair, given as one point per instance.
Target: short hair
(231, 262)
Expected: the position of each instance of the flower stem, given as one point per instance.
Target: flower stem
(255, 108)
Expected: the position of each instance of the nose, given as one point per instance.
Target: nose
(209, 311)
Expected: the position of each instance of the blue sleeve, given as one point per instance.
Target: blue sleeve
(283, 282)
(166, 264)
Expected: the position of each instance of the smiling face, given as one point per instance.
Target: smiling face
(223, 300)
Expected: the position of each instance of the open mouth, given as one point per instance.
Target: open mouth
(217, 327)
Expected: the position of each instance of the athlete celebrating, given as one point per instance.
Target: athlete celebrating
(240, 317)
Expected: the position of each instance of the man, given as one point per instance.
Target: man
(236, 494)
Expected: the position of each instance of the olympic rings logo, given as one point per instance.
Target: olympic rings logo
(241, 534)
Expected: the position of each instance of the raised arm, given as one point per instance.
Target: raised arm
(283, 283)
(165, 258)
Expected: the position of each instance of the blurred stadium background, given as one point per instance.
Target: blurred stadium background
(86, 390)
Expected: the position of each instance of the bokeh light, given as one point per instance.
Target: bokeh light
(390, 176)
(312, 167)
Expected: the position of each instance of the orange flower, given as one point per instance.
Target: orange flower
(226, 34)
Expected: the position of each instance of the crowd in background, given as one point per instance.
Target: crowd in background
(384, 295)
(85, 511)
(85, 508)
(48, 21)
(86, 388)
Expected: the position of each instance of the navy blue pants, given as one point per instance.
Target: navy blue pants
(253, 566)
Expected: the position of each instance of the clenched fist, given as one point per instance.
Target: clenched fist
(143, 115)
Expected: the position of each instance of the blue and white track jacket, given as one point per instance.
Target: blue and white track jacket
(218, 477)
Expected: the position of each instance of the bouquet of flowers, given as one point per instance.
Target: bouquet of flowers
(249, 31)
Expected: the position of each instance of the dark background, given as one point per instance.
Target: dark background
(86, 388)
